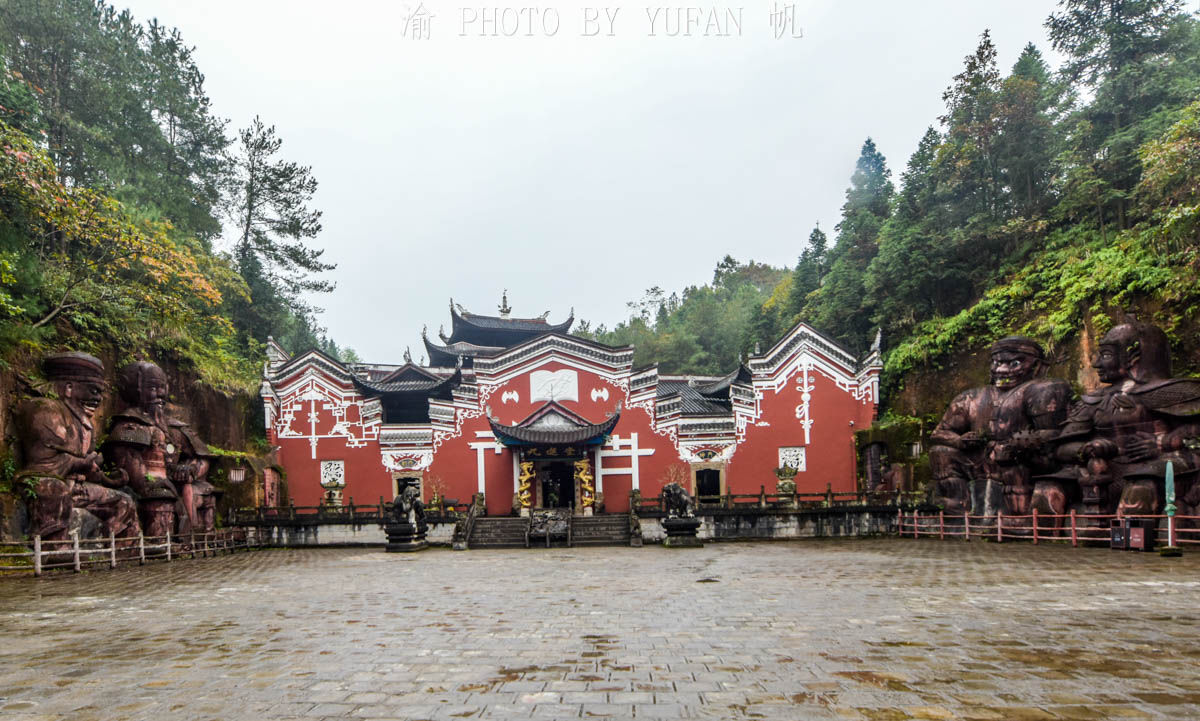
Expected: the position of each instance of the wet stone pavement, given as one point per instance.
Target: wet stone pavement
(869, 629)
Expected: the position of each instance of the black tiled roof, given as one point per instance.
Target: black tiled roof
(721, 387)
(491, 330)
(516, 435)
(447, 355)
(692, 401)
(534, 324)
(409, 379)
(462, 348)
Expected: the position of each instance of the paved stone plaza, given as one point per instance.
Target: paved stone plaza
(869, 629)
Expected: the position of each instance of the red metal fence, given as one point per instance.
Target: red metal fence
(1039, 527)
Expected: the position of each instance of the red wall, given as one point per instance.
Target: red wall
(455, 461)
(366, 478)
(830, 456)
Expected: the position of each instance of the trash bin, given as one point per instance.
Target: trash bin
(1141, 533)
(1119, 528)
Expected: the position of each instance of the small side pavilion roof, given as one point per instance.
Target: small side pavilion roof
(552, 424)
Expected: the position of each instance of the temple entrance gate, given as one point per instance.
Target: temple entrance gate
(556, 484)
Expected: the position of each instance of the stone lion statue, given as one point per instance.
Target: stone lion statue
(678, 502)
(407, 507)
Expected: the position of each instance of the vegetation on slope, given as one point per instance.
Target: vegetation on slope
(1041, 199)
(116, 179)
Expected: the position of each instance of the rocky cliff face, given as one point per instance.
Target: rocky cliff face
(929, 391)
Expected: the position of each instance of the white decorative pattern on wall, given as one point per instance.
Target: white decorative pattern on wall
(559, 385)
(792, 457)
(301, 411)
(804, 384)
(333, 473)
(407, 460)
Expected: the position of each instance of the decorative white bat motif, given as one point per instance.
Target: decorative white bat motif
(599, 393)
(510, 396)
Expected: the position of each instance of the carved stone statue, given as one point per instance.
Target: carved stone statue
(992, 440)
(678, 502)
(681, 524)
(165, 460)
(1120, 437)
(56, 438)
(407, 528)
(407, 507)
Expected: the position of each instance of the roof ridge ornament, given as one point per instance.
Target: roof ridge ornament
(454, 306)
(407, 355)
(442, 333)
(544, 316)
(505, 311)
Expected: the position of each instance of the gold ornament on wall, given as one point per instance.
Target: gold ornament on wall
(525, 484)
(587, 491)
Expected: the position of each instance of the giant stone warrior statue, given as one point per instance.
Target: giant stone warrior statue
(56, 437)
(1120, 437)
(992, 440)
(165, 460)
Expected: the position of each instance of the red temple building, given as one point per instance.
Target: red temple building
(508, 405)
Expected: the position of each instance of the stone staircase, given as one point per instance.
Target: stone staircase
(602, 530)
(498, 532)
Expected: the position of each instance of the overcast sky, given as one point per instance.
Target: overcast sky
(572, 169)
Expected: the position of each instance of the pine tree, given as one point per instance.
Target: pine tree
(838, 307)
(1139, 58)
(968, 157)
(269, 206)
(123, 107)
(1026, 145)
(810, 270)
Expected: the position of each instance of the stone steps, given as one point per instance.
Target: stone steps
(498, 533)
(604, 530)
(508, 532)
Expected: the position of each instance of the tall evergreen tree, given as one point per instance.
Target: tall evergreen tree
(968, 155)
(1139, 58)
(912, 278)
(1026, 145)
(810, 270)
(838, 307)
(269, 206)
(123, 107)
